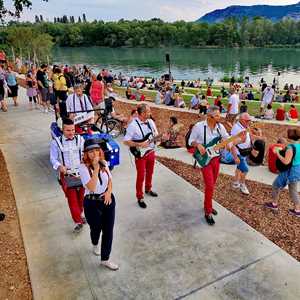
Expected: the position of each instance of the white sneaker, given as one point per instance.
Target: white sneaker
(110, 265)
(244, 189)
(97, 250)
(236, 185)
(46, 110)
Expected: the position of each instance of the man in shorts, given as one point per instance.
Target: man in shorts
(267, 98)
(43, 86)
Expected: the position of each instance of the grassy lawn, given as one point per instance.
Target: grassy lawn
(253, 106)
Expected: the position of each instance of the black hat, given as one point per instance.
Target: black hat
(91, 144)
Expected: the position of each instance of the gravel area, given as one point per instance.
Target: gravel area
(281, 228)
(14, 278)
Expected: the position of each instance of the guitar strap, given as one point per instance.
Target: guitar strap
(142, 129)
(218, 130)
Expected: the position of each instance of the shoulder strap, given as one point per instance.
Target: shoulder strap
(74, 102)
(59, 143)
(78, 144)
(140, 127)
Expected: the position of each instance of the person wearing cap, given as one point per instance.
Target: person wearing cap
(65, 156)
(78, 103)
(202, 134)
(99, 201)
(244, 149)
(137, 130)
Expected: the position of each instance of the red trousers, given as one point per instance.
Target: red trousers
(144, 168)
(210, 174)
(75, 199)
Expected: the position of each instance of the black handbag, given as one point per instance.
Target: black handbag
(244, 152)
(73, 182)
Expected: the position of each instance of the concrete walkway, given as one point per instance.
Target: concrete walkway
(165, 252)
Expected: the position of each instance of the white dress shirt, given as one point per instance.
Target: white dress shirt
(136, 132)
(70, 151)
(86, 177)
(74, 103)
(197, 134)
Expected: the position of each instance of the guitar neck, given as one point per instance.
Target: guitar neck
(226, 142)
(235, 137)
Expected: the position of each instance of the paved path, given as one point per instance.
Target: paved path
(165, 252)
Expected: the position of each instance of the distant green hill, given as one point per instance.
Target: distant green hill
(274, 13)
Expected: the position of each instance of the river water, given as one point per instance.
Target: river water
(190, 63)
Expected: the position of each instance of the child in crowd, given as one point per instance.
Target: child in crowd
(280, 113)
(292, 114)
(203, 105)
(269, 113)
(243, 107)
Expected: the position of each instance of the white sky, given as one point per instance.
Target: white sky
(167, 10)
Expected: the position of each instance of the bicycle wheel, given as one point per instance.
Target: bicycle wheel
(113, 127)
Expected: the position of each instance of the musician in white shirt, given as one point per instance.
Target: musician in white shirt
(202, 134)
(78, 104)
(137, 130)
(65, 157)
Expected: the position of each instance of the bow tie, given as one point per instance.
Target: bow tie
(69, 139)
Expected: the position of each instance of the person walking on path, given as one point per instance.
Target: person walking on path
(43, 86)
(31, 92)
(65, 156)
(99, 201)
(136, 131)
(3, 88)
(202, 134)
(290, 177)
(12, 85)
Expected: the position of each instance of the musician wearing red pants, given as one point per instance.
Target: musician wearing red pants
(202, 134)
(65, 156)
(139, 135)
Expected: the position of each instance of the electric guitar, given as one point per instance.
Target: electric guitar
(214, 146)
(138, 152)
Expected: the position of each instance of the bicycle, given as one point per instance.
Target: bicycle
(108, 124)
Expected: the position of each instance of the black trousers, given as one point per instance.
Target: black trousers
(101, 218)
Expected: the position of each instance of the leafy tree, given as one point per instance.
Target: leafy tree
(16, 10)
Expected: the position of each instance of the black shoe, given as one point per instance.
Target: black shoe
(142, 204)
(78, 228)
(210, 220)
(2, 216)
(151, 193)
(214, 212)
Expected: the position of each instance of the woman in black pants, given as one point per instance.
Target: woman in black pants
(99, 202)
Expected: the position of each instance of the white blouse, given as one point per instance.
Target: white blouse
(86, 177)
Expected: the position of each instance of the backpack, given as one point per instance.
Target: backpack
(187, 137)
(281, 167)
